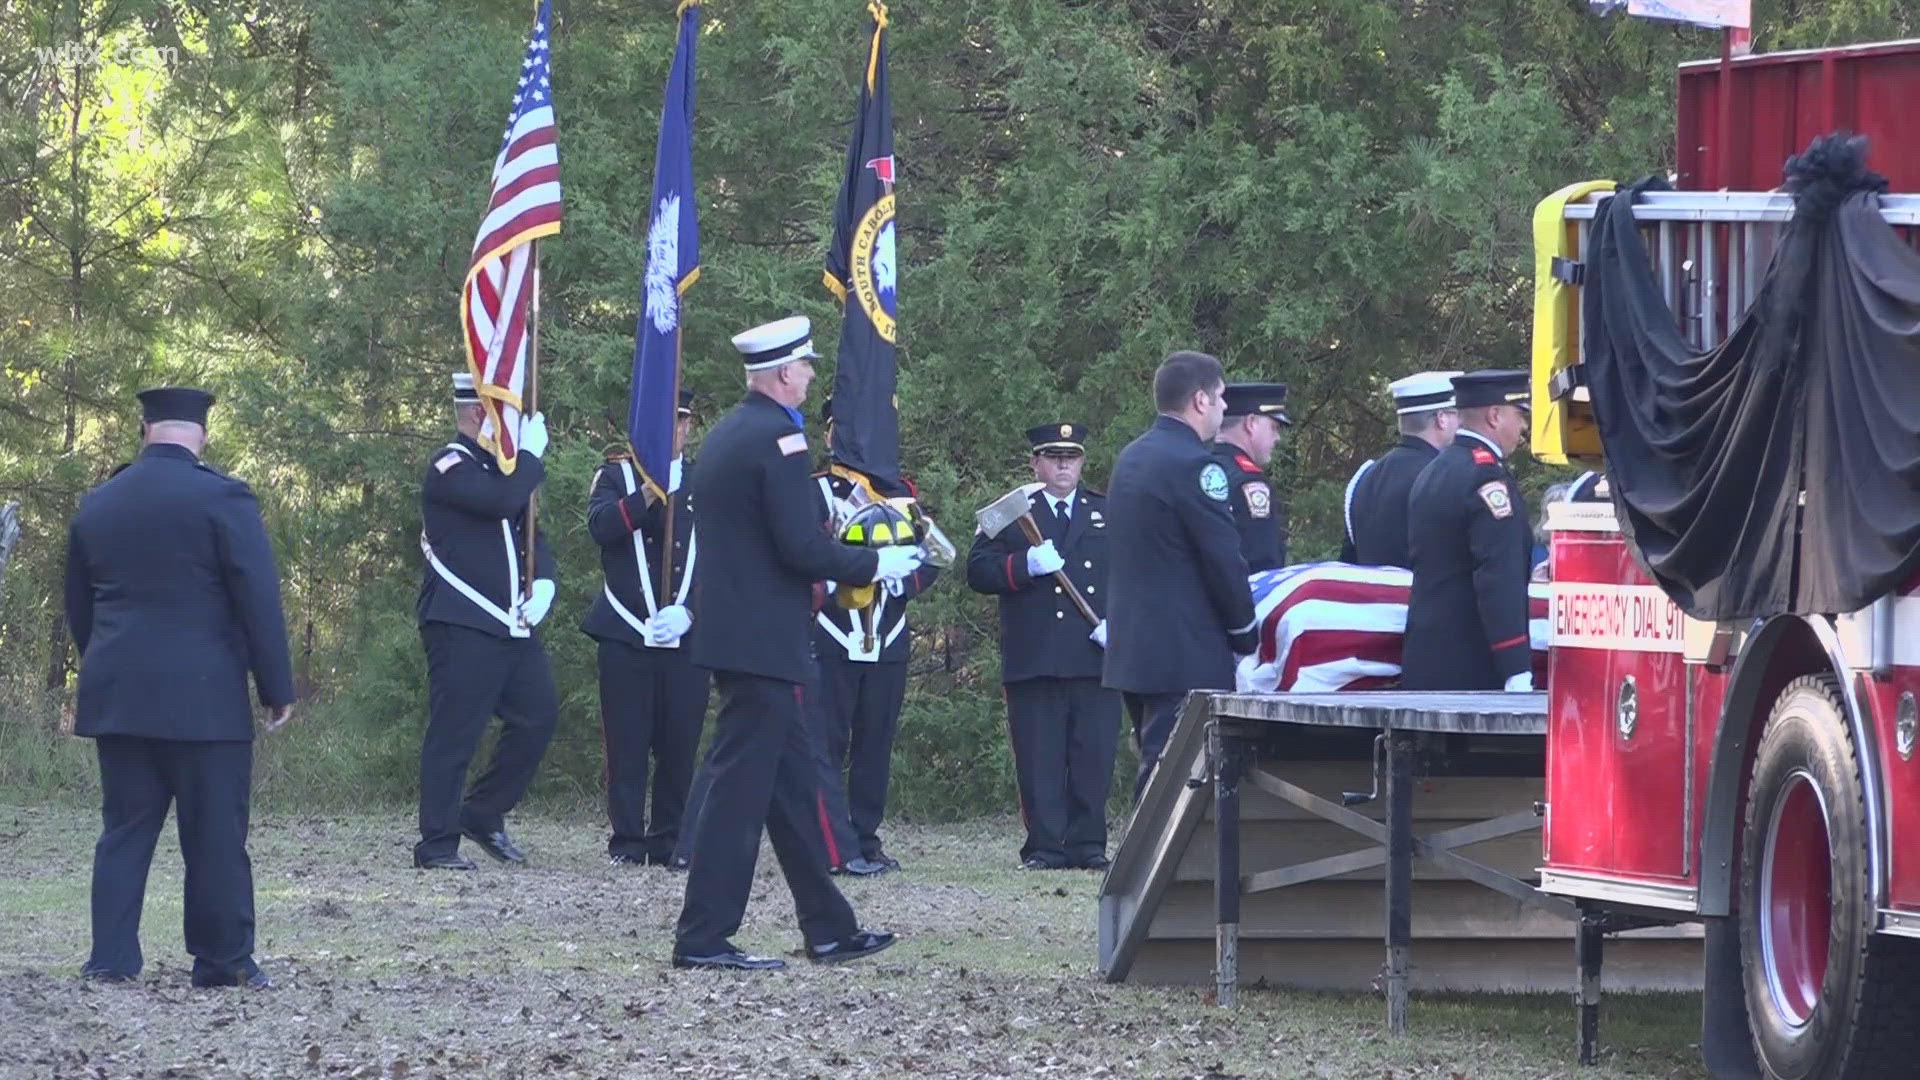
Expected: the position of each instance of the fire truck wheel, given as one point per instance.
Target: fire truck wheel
(1828, 998)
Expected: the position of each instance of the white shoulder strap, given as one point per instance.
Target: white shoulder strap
(1348, 502)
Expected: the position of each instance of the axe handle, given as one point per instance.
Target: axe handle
(1033, 537)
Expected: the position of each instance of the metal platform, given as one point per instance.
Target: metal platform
(1215, 751)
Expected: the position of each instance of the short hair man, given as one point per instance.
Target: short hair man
(1179, 606)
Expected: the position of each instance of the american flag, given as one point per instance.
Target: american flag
(503, 276)
(1336, 626)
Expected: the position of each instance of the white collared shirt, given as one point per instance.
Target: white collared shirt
(1062, 507)
(1491, 445)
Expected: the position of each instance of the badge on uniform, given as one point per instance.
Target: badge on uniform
(1213, 482)
(1098, 521)
(795, 443)
(1259, 498)
(1494, 494)
(447, 461)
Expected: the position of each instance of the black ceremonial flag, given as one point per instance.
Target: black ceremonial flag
(861, 271)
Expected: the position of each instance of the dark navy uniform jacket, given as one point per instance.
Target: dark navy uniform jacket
(1042, 633)
(615, 517)
(763, 545)
(1180, 605)
(1377, 505)
(173, 599)
(475, 520)
(1470, 540)
(840, 633)
(1256, 513)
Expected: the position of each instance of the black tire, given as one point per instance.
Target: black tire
(1857, 1014)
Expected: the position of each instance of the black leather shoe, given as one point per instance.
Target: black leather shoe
(626, 860)
(860, 943)
(1035, 862)
(497, 844)
(887, 861)
(859, 867)
(1098, 862)
(455, 861)
(731, 960)
(256, 981)
(98, 975)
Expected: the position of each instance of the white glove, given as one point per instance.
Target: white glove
(897, 562)
(669, 624)
(1099, 634)
(535, 606)
(533, 435)
(895, 586)
(1521, 683)
(1042, 559)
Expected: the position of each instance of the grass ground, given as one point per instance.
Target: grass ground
(560, 969)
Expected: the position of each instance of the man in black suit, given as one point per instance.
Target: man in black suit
(652, 697)
(1249, 430)
(1180, 606)
(173, 599)
(1376, 502)
(1472, 549)
(477, 618)
(763, 548)
(1065, 726)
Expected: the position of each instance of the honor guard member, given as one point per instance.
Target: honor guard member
(762, 549)
(477, 623)
(863, 658)
(1470, 541)
(652, 697)
(1376, 500)
(173, 600)
(1248, 433)
(1064, 725)
(1180, 606)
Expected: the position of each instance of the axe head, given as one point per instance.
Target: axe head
(994, 518)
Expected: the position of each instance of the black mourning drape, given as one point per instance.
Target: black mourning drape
(1816, 389)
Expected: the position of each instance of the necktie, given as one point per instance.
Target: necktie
(1060, 518)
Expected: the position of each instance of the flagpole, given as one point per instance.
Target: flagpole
(530, 404)
(666, 536)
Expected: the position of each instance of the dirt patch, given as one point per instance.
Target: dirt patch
(560, 969)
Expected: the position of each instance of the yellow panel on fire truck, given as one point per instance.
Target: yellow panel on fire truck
(1563, 429)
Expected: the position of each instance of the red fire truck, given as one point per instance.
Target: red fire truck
(1757, 774)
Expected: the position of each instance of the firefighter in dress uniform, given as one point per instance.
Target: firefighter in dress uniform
(652, 698)
(1064, 726)
(1470, 542)
(1248, 433)
(477, 621)
(1180, 606)
(1376, 498)
(763, 549)
(173, 600)
(863, 656)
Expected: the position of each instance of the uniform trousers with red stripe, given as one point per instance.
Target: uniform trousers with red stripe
(829, 798)
(1065, 734)
(764, 778)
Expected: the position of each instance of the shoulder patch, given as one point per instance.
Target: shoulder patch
(1259, 498)
(1246, 463)
(795, 443)
(447, 461)
(1213, 482)
(1484, 456)
(1494, 494)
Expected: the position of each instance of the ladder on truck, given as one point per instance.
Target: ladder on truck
(1709, 249)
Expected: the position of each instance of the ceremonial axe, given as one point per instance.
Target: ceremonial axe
(1016, 508)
